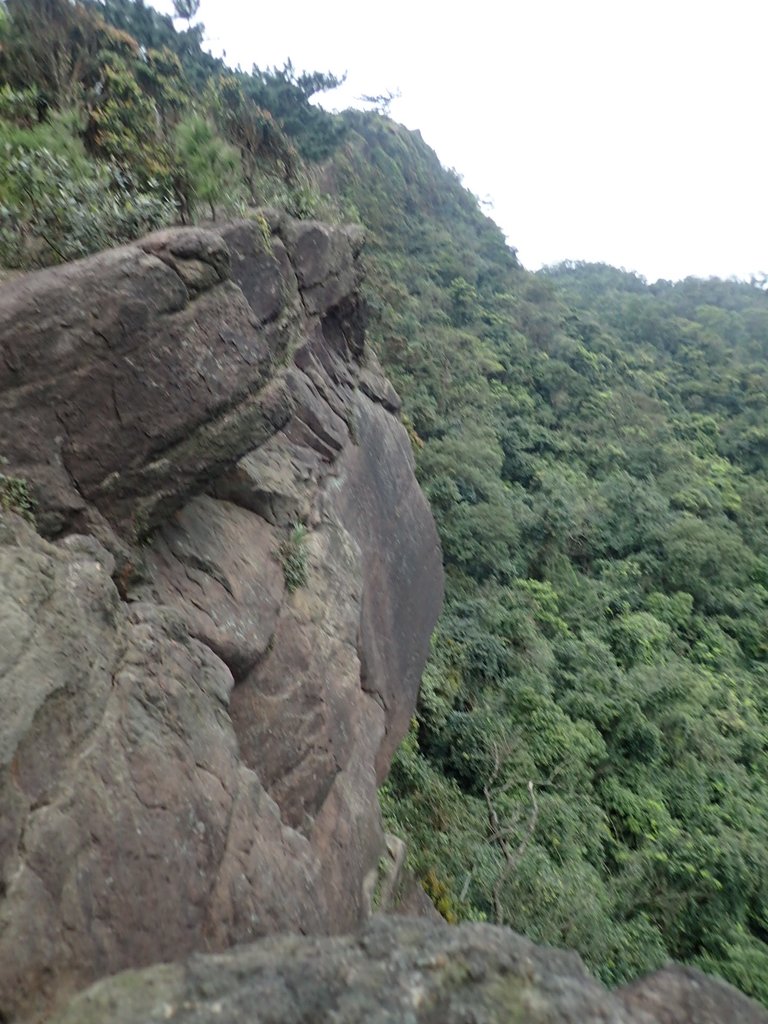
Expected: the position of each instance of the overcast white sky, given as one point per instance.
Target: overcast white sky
(632, 133)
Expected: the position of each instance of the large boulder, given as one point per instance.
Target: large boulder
(679, 995)
(131, 829)
(208, 656)
(396, 971)
(131, 379)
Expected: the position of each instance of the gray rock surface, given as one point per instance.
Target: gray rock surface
(190, 749)
(398, 971)
(678, 995)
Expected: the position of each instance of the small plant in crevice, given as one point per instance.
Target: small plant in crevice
(417, 443)
(266, 232)
(15, 497)
(294, 557)
(440, 894)
(382, 876)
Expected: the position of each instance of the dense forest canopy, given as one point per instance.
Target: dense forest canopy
(589, 762)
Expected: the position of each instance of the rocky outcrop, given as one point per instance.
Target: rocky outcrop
(401, 970)
(213, 644)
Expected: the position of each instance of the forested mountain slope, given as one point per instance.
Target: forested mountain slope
(589, 760)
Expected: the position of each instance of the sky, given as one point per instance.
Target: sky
(602, 130)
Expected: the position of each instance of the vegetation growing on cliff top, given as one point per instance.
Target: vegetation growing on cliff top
(590, 755)
(113, 123)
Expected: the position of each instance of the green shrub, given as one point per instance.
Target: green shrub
(208, 167)
(15, 497)
(19, 106)
(55, 210)
(60, 133)
(294, 558)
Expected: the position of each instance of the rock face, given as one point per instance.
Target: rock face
(210, 653)
(402, 970)
(677, 995)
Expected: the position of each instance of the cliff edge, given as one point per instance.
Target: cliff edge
(211, 647)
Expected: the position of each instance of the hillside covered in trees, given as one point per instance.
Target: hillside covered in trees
(589, 763)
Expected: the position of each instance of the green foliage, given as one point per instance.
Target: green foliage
(592, 450)
(743, 962)
(120, 111)
(15, 497)
(123, 125)
(155, 31)
(294, 558)
(19, 106)
(51, 46)
(54, 212)
(79, 86)
(263, 146)
(286, 95)
(463, 302)
(207, 166)
(186, 9)
(639, 637)
(59, 134)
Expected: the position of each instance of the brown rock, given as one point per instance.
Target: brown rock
(320, 255)
(396, 970)
(218, 564)
(379, 501)
(199, 257)
(196, 765)
(122, 372)
(277, 481)
(131, 830)
(261, 267)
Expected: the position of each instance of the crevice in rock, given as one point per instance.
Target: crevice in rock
(189, 560)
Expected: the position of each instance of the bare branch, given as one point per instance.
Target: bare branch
(500, 833)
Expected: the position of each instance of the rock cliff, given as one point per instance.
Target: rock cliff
(210, 653)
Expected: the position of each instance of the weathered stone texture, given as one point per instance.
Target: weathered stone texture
(396, 971)
(685, 995)
(189, 750)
